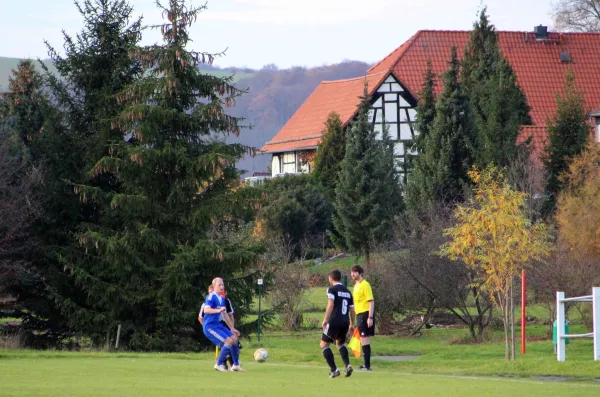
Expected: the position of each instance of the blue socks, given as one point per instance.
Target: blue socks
(223, 355)
(235, 353)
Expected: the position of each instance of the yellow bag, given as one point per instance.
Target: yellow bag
(354, 343)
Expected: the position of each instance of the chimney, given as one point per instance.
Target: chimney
(541, 32)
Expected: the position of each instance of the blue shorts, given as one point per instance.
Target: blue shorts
(217, 334)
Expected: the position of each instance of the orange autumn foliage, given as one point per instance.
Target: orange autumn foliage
(578, 206)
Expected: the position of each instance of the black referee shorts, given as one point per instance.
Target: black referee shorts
(336, 333)
(361, 323)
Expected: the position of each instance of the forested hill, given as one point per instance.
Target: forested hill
(274, 95)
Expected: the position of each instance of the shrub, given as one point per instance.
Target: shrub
(286, 294)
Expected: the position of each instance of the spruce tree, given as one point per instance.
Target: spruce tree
(440, 172)
(368, 191)
(23, 111)
(330, 154)
(96, 64)
(425, 108)
(568, 132)
(154, 249)
(498, 106)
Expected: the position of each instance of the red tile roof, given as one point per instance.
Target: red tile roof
(536, 63)
(305, 128)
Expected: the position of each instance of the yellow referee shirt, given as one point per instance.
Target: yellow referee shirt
(362, 294)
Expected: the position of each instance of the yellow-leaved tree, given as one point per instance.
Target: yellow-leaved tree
(578, 212)
(495, 238)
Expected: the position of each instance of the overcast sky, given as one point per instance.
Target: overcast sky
(281, 32)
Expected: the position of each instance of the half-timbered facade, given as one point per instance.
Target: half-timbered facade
(539, 59)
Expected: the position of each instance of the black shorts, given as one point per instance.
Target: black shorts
(361, 323)
(336, 333)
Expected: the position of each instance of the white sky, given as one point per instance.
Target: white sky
(282, 32)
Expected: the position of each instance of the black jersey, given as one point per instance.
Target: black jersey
(342, 302)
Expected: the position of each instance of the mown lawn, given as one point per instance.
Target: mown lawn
(296, 367)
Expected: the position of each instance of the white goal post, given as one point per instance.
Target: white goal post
(560, 322)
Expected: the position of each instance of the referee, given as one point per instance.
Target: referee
(364, 305)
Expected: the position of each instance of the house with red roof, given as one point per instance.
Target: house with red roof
(539, 59)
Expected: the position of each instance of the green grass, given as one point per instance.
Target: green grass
(342, 265)
(162, 376)
(296, 367)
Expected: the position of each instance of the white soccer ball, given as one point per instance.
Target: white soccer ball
(261, 355)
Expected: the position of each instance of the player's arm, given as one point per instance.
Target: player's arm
(228, 317)
(329, 308)
(371, 300)
(201, 315)
(212, 306)
(352, 312)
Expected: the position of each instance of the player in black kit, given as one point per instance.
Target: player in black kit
(339, 317)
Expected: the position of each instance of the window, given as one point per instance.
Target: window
(289, 163)
(275, 165)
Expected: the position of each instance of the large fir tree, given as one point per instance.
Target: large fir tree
(330, 154)
(440, 172)
(96, 64)
(24, 109)
(568, 132)
(368, 193)
(153, 252)
(498, 106)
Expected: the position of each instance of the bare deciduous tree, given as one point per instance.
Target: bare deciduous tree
(527, 175)
(437, 282)
(567, 270)
(287, 294)
(577, 15)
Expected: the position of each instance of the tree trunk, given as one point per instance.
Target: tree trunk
(367, 258)
(503, 299)
(512, 317)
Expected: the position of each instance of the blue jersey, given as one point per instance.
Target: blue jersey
(214, 301)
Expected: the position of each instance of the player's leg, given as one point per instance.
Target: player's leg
(235, 353)
(341, 344)
(229, 358)
(366, 333)
(220, 336)
(328, 354)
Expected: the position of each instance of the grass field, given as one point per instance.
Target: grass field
(296, 368)
(446, 364)
(163, 376)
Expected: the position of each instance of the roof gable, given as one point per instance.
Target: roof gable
(304, 129)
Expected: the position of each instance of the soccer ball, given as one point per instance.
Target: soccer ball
(261, 355)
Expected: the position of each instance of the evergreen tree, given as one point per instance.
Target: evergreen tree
(23, 110)
(96, 64)
(368, 193)
(153, 252)
(425, 108)
(498, 106)
(330, 154)
(440, 172)
(568, 132)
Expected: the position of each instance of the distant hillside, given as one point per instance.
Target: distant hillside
(274, 96)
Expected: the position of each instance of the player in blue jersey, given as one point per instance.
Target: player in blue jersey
(220, 335)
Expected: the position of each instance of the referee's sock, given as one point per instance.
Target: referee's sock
(328, 354)
(367, 354)
(344, 354)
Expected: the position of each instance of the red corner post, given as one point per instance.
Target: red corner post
(523, 310)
